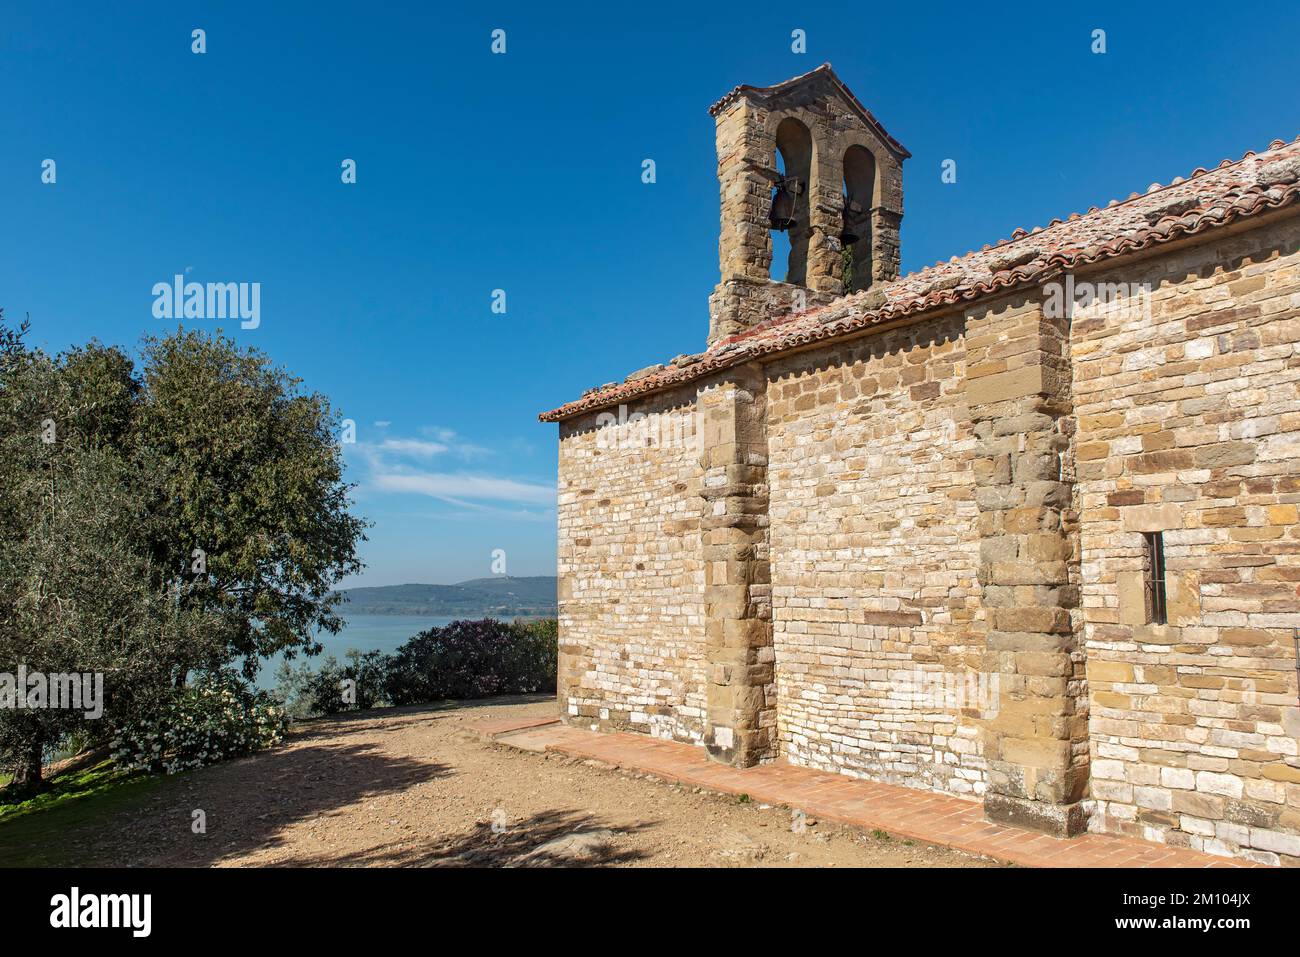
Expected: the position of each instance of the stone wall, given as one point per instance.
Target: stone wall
(631, 572)
(874, 553)
(918, 555)
(1189, 424)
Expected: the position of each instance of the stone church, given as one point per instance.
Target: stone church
(1021, 526)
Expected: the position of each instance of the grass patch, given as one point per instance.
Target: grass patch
(42, 830)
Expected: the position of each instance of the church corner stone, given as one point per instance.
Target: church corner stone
(1036, 740)
(737, 584)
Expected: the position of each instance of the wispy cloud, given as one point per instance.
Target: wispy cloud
(453, 441)
(417, 448)
(462, 488)
(472, 512)
(396, 464)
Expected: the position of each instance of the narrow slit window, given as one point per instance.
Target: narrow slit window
(1155, 578)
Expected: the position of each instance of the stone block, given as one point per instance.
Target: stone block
(1183, 598)
(1057, 820)
(1112, 672)
(1131, 592)
(1004, 386)
(1151, 518)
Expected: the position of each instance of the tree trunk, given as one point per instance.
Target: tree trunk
(27, 770)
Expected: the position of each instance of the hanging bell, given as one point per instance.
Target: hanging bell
(854, 227)
(781, 216)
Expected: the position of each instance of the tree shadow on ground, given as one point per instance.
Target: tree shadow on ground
(245, 804)
(553, 838)
(539, 841)
(323, 771)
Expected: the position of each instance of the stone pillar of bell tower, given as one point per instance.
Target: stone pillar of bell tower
(844, 177)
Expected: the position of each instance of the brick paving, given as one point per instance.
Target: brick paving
(926, 816)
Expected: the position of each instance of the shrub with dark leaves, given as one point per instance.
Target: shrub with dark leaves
(356, 686)
(472, 659)
(533, 655)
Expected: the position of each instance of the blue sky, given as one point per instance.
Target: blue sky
(522, 172)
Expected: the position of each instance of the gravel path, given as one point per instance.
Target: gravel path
(415, 787)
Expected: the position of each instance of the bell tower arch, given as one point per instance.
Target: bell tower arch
(793, 160)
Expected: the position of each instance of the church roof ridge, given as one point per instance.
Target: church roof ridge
(1206, 199)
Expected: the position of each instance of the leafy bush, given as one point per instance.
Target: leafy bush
(294, 689)
(328, 690)
(213, 718)
(466, 659)
(472, 659)
(325, 690)
(369, 671)
(533, 658)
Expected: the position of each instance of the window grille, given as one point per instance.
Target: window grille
(1157, 612)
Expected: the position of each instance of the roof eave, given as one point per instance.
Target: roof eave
(935, 302)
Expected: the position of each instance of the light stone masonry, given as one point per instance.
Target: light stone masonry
(918, 551)
(1189, 424)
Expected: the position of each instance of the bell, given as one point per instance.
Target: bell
(781, 216)
(854, 225)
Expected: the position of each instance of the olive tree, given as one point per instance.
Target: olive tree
(154, 522)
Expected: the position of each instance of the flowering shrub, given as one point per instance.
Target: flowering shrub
(215, 717)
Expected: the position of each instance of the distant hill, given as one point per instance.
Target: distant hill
(503, 597)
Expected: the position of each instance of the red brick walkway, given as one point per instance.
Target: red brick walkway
(921, 815)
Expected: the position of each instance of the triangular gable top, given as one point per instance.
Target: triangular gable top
(823, 72)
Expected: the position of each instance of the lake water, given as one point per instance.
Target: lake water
(362, 632)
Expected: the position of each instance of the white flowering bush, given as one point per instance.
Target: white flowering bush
(213, 718)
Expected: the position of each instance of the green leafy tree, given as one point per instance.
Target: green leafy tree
(76, 592)
(252, 511)
(158, 524)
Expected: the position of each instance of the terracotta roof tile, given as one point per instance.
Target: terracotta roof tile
(1205, 200)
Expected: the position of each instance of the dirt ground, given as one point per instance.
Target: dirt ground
(415, 787)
